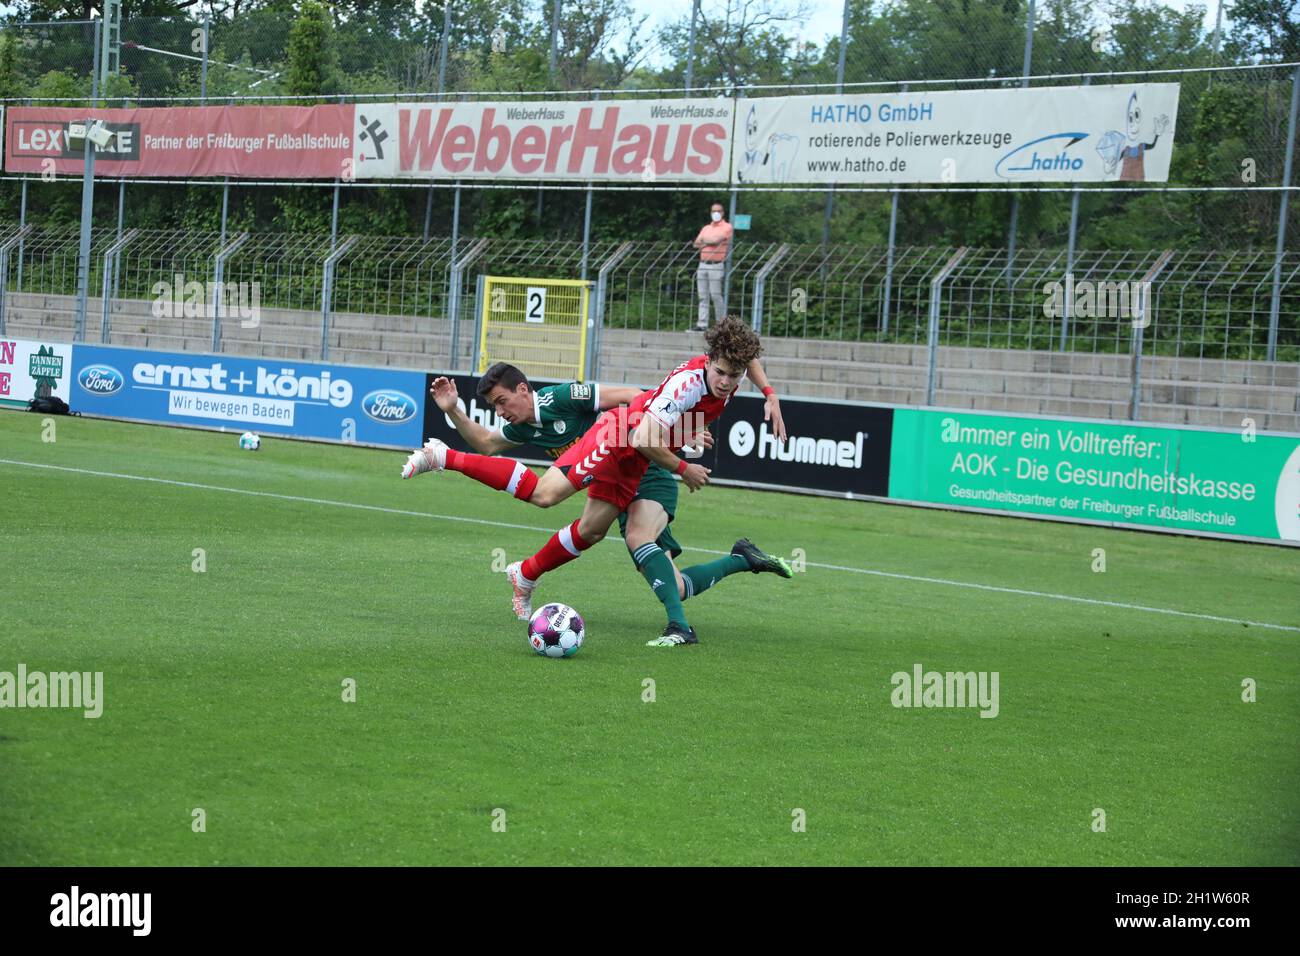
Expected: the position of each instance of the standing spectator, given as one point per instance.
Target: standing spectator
(713, 241)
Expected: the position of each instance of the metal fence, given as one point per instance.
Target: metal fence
(1203, 309)
(1202, 304)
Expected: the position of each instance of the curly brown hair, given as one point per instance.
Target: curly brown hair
(733, 341)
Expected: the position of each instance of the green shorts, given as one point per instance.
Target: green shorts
(658, 485)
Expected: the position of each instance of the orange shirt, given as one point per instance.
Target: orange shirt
(715, 230)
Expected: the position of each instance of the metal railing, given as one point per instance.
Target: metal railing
(1157, 322)
(932, 333)
(1213, 304)
(326, 292)
(6, 248)
(218, 278)
(107, 293)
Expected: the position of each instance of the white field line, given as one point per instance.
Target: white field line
(525, 527)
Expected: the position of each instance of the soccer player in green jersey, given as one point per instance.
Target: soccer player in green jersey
(553, 418)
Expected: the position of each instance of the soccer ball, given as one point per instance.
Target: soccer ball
(555, 630)
(249, 442)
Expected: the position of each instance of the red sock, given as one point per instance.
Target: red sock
(564, 546)
(503, 474)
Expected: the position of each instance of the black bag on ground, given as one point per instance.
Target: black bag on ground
(48, 405)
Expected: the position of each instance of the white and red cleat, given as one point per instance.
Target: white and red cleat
(523, 596)
(432, 457)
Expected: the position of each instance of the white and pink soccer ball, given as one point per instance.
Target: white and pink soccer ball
(555, 630)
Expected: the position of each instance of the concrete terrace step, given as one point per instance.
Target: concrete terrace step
(1225, 371)
(44, 319)
(396, 323)
(1020, 360)
(1218, 417)
(1214, 395)
(250, 338)
(273, 350)
(683, 345)
(1031, 384)
(164, 342)
(1013, 404)
(25, 330)
(147, 325)
(406, 360)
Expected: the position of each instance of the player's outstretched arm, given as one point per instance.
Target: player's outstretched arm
(482, 440)
(650, 440)
(771, 404)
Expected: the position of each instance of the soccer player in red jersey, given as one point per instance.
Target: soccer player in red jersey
(610, 460)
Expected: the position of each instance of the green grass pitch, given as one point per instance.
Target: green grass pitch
(223, 689)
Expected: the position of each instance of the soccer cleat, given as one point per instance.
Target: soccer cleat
(522, 601)
(673, 635)
(760, 561)
(432, 457)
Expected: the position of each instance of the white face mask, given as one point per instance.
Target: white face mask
(717, 216)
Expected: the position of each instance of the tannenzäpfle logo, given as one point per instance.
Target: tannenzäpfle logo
(45, 368)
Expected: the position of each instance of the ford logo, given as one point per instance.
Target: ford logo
(100, 379)
(388, 407)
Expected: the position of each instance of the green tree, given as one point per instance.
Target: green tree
(313, 59)
(1267, 29)
(741, 42)
(12, 85)
(312, 71)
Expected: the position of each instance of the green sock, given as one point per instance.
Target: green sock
(701, 577)
(657, 569)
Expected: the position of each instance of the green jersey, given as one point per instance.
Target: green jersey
(561, 415)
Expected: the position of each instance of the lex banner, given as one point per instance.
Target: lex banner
(372, 406)
(1129, 474)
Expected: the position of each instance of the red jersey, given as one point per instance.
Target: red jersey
(604, 461)
(683, 392)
